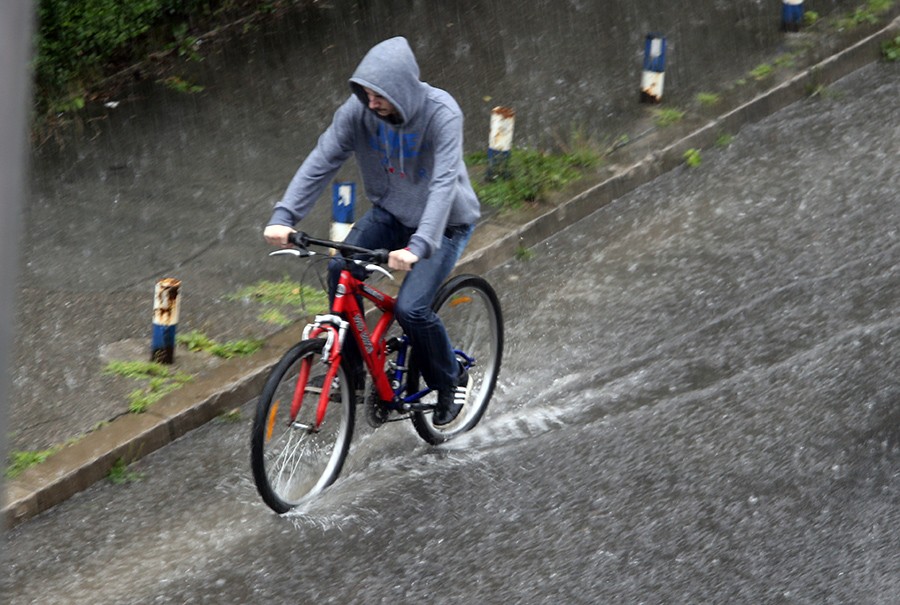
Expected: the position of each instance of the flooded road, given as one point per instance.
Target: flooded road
(699, 403)
(153, 182)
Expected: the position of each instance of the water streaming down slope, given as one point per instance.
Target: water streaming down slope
(160, 183)
(698, 404)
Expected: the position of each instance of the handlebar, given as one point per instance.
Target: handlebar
(303, 241)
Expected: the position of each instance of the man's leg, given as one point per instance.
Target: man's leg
(376, 229)
(428, 337)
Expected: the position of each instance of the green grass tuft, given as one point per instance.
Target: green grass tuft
(274, 316)
(195, 341)
(199, 342)
(119, 473)
(667, 117)
(181, 85)
(160, 382)
(528, 175)
(524, 254)
(157, 388)
(237, 348)
(284, 292)
(890, 49)
(708, 98)
(230, 417)
(761, 71)
(869, 14)
(20, 461)
(141, 370)
(724, 140)
(692, 158)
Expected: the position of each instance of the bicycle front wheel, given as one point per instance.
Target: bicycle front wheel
(291, 458)
(470, 312)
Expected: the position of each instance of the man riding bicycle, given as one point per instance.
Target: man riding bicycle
(406, 136)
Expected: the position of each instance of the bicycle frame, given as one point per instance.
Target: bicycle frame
(346, 313)
(295, 453)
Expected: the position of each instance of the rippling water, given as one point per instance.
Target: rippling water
(698, 404)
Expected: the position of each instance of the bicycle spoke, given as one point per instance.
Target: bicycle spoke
(290, 460)
(470, 312)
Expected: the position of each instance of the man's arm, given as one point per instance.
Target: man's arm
(318, 169)
(442, 191)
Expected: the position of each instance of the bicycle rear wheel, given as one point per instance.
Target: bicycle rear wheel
(470, 311)
(290, 459)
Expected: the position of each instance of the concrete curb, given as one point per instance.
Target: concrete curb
(132, 436)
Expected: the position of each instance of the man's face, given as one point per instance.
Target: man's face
(379, 104)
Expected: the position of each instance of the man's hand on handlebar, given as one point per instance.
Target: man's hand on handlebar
(402, 260)
(288, 237)
(277, 235)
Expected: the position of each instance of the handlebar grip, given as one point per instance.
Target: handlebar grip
(302, 240)
(380, 256)
(299, 239)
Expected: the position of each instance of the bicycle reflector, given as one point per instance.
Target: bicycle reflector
(460, 300)
(270, 424)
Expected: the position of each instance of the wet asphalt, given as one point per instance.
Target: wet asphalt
(152, 183)
(123, 203)
(698, 404)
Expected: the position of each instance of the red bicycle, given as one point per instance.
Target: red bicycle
(305, 415)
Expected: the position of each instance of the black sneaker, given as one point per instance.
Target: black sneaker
(451, 401)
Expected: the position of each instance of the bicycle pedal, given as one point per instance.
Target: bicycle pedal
(398, 418)
(377, 413)
(419, 407)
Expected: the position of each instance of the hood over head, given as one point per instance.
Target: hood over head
(390, 69)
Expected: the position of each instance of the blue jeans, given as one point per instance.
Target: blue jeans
(430, 344)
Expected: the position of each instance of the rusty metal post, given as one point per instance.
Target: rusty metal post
(503, 121)
(166, 304)
(791, 15)
(654, 73)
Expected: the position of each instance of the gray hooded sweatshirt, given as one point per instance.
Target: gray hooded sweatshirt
(411, 166)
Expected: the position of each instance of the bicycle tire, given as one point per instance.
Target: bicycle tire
(470, 311)
(291, 462)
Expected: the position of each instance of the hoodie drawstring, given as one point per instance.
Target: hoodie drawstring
(401, 137)
(388, 151)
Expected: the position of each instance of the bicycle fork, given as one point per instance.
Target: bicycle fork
(333, 328)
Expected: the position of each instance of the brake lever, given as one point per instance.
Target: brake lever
(293, 252)
(374, 269)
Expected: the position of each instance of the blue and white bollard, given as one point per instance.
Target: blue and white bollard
(166, 304)
(654, 74)
(503, 123)
(791, 15)
(343, 203)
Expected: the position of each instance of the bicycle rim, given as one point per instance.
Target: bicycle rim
(470, 312)
(290, 459)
